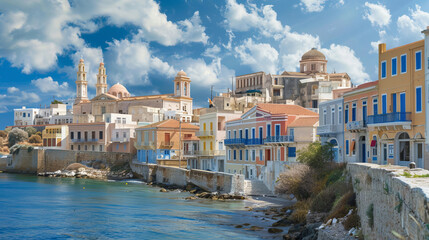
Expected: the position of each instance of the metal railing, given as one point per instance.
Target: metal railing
(389, 117)
(235, 141)
(356, 125)
(84, 140)
(204, 133)
(120, 139)
(167, 143)
(279, 139)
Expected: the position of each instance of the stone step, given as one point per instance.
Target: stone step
(256, 188)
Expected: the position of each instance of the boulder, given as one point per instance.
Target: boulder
(282, 222)
(255, 228)
(163, 190)
(274, 230)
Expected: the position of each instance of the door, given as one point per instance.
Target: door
(402, 116)
(419, 148)
(385, 153)
(364, 114)
(246, 133)
(363, 153)
(260, 133)
(267, 154)
(394, 107)
(167, 138)
(268, 130)
(277, 130)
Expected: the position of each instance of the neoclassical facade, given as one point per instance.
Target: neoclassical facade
(119, 100)
(307, 88)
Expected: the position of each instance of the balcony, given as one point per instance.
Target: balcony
(167, 144)
(391, 119)
(279, 139)
(82, 140)
(145, 145)
(211, 153)
(204, 134)
(120, 140)
(234, 141)
(356, 126)
(329, 129)
(254, 141)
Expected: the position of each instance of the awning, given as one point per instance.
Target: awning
(373, 143)
(254, 91)
(353, 145)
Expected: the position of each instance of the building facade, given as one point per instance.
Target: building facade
(164, 142)
(56, 137)
(331, 126)
(265, 139)
(90, 136)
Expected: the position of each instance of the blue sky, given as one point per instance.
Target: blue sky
(145, 43)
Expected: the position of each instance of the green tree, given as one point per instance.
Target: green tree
(17, 135)
(8, 129)
(316, 155)
(35, 139)
(31, 131)
(56, 102)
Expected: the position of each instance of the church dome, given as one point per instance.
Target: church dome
(118, 90)
(181, 74)
(313, 54)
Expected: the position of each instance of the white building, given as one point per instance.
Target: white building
(25, 116)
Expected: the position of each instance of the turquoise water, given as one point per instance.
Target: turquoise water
(66, 208)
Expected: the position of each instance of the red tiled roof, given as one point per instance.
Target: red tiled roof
(171, 123)
(368, 84)
(285, 109)
(304, 122)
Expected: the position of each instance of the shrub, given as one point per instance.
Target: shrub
(39, 134)
(316, 155)
(343, 205)
(298, 180)
(56, 102)
(334, 176)
(352, 221)
(370, 215)
(3, 134)
(31, 131)
(324, 201)
(299, 215)
(16, 136)
(35, 139)
(8, 129)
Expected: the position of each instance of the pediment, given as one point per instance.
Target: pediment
(104, 97)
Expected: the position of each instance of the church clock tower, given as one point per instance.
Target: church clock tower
(101, 85)
(81, 84)
(182, 85)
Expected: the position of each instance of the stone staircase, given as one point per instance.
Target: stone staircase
(256, 188)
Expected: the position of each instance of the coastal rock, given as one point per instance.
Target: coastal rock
(255, 228)
(274, 230)
(238, 226)
(190, 198)
(282, 223)
(163, 190)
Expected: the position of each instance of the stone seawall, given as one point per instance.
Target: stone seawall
(209, 181)
(390, 205)
(49, 160)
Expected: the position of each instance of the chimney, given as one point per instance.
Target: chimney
(381, 48)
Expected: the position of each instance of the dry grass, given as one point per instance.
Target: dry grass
(298, 180)
(324, 201)
(343, 205)
(352, 221)
(35, 139)
(299, 215)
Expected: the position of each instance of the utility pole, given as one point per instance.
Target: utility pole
(211, 92)
(232, 85)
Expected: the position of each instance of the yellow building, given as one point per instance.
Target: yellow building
(399, 123)
(55, 136)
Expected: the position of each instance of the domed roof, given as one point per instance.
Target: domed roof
(181, 74)
(118, 90)
(313, 54)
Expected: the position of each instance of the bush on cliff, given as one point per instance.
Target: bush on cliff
(297, 180)
(16, 136)
(3, 134)
(31, 131)
(316, 155)
(35, 139)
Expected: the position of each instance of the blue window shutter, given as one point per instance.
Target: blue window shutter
(292, 151)
(384, 103)
(403, 63)
(347, 147)
(418, 99)
(418, 60)
(383, 70)
(394, 66)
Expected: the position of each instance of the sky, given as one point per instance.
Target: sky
(145, 43)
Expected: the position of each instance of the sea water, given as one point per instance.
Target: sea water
(69, 208)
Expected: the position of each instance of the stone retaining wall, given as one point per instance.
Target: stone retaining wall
(390, 204)
(210, 181)
(50, 160)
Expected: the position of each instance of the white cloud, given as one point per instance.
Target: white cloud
(293, 46)
(239, 18)
(203, 74)
(92, 58)
(341, 2)
(48, 85)
(130, 62)
(377, 14)
(11, 90)
(212, 52)
(34, 33)
(410, 27)
(382, 34)
(343, 59)
(312, 5)
(259, 56)
(17, 98)
(231, 37)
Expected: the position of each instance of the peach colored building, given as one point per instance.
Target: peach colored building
(90, 136)
(166, 142)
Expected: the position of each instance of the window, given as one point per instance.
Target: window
(278, 154)
(78, 147)
(347, 148)
(403, 63)
(268, 130)
(240, 133)
(229, 154)
(72, 135)
(247, 155)
(261, 155)
(346, 114)
(384, 103)
(374, 146)
(353, 147)
(235, 154)
(394, 66)
(332, 116)
(418, 60)
(324, 117)
(340, 115)
(235, 133)
(418, 99)
(383, 69)
(375, 105)
(253, 155)
(241, 155)
(71, 147)
(101, 148)
(291, 152)
(229, 134)
(100, 135)
(354, 112)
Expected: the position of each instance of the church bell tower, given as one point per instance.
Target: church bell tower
(101, 85)
(81, 84)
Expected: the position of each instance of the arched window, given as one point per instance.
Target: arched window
(404, 147)
(178, 87)
(185, 89)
